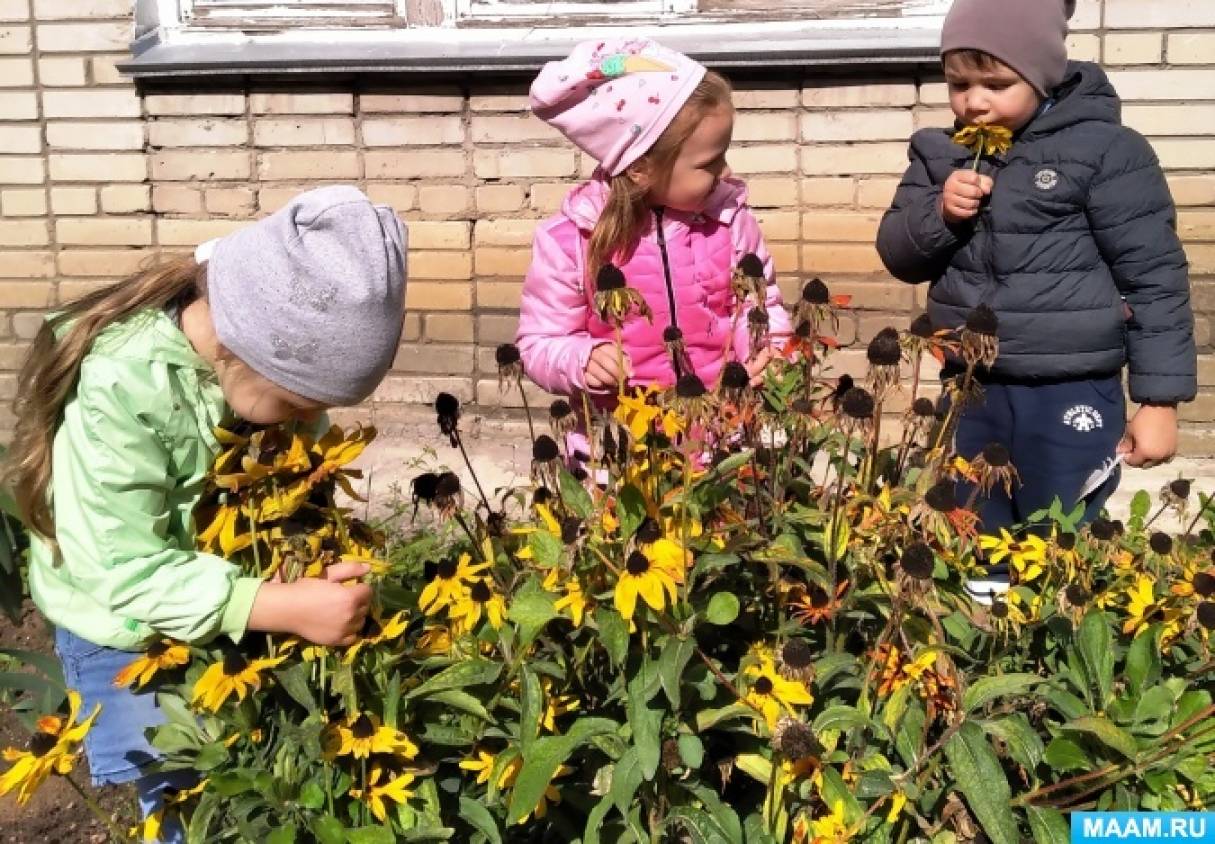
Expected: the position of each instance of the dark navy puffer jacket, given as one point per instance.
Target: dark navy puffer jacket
(1080, 219)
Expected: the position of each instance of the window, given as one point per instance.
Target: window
(277, 14)
(569, 12)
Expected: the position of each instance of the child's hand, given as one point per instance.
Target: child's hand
(757, 365)
(324, 611)
(963, 194)
(1151, 436)
(603, 368)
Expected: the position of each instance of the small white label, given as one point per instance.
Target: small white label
(1083, 418)
(1046, 179)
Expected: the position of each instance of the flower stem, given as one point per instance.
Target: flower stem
(531, 430)
(115, 832)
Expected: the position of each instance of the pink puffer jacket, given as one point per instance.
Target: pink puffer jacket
(557, 324)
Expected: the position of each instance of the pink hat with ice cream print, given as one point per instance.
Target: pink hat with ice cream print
(613, 98)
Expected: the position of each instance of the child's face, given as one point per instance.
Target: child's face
(256, 399)
(701, 164)
(995, 95)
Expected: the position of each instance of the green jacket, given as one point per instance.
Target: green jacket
(130, 460)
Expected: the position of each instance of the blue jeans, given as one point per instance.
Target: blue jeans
(117, 749)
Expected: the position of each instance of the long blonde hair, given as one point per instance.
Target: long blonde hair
(627, 212)
(52, 365)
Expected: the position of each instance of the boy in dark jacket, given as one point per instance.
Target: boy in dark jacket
(1069, 237)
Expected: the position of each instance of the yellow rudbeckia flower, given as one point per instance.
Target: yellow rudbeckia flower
(376, 796)
(479, 599)
(651, 573)
(769, 692)
(1027, 555)
(362, 735)
(448, 584)
(161, 655)
(52, 749)
(232, 675)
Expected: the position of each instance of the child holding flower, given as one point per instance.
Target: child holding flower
(118, 402)
(1059, 220)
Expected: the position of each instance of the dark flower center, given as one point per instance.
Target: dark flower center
(804, 329)
(560, 409)
(764, 686)
(234, 663)
(362, 728)
(757, 316)
(983, 320)
(751, 266)
(884, 349)
(1204, 584)
(996, 455)
(425, 486)
(1102, 529)
(1161, 543)
(819, 598)
(999, 609)
(447, 569)
(921, 326)
(480, 592)
(1076, 595)
(542, 495)
(579, 474)
(671, 334)
(690, 386)
(795, 740)
(1206, 615)
(942, 497)
(858, 403)
(609, 278)
(734, 376)
(638, 564)
(1066, 541)
(371, 627)
(448, 485)
(802, 405)
(447, 406)
(507, 354)
(815, 292)
(42, 743)
(649, 531)
(158, 649)
(544, 449)
(924, 408)
(918, 560)
(571, 528)
(1180, 488)
(797, 654)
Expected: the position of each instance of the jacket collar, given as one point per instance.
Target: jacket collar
(585, 203)
(150, 335)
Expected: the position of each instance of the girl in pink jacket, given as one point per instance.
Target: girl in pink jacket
(662, 207)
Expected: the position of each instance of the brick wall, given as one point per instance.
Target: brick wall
(96, 177)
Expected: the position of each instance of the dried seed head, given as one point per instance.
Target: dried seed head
(447, 406)
(672, 334)
(495, 523)
(795, 660)
(924, 408)
(559, 410)
(884, 349)
(571, 529)
(734, 376)
(690, 386)
(609, 278)
(1161, 543)
(996, 455)
(648, 531)
(942, 497)
(506, 355)
(999, 609)
(448, 485)
(544, 449)
(42, 743)
(1204, 584)
(1180, 488)
(804, 329)
(1206, 615)
(671, 758)
(858, 403)
(983, 320)
(802, 405)
(794, 739)
(425, 487)
(1102, 529)
(757, 317)
(1066, 541)
(751, 266)
(918, 561)
(815, 292)
(921, 327)
(1076, 595)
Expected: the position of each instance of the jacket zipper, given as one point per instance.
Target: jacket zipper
(666, 274)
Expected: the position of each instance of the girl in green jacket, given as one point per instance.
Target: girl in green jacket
(116, 408)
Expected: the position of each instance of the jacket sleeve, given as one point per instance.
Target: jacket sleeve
(1133, 219)
(748, 238)
(113, 497)
(914, 241)
(553, 338)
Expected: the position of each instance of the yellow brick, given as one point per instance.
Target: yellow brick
(784, 257)
(440, 265)
(827, 190)
(436, 296)
(413, 131)
(934, 93)
(448, 328)
(49, 10)
(415, 164)
(16, 40)
(432, 100)
(14, 10)
(308, 165)
(110, 167)
(1191, 47)
(1162, 84)
(491, 396)
(765, 126)
(776, 192)
(18, 105)
(506, 129)
(507, 232)
(200, 166)
(502, 98)
(778, 225)
(1196, 226)
(93, 37)
(1134, 48)
(1087, 15)
(19, 139)
(436, 359)
(104, 231)
(1202, 258)
(91, 103)
(497, 328)
(1149, 14)
(763, 159)
(871, 295)
(493, 199)
(876, 193)
(26, 294)
(102, 262)
(199, 132)
(230, 202)
(840, 228)
(433, 235)
(931, 118)
(193, 232)
(72, 289)
(176, 199)
(849, 94)
(854, 159)
(69, 201)
(762, 96)
(24, 202)
(1084, 48)
(16, 73)
(841, 258)
(548, 196)
(94, 135)
(195, 104)
(400, 197)
(1185, 153)
(414, 389)
(18, 170)
(311, 103)
(332, 131)
(126, 199)
(503, 295)
(497, 261)
(105, 70)
(876, 125)
(62, 72)
(27, 264)
(1158, 120)
(1192, 190)
(444, 199)
(524, 163)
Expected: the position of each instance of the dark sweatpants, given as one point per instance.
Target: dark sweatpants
(1058, 433)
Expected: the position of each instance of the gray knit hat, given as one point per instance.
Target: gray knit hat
(1030, 36)
(313, 296)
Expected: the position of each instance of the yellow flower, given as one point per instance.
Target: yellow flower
(984, 139)
(395, 789)
(574, 602)
(827, 829)
(898, 800)
(448, 584)
(228, 532)
(376, 631)
(1027, 555)
(554, 705)
(52, 749)
(309, 651)
(484, 764)
(362, 735)
(1143, 610)
(769, 691)
(896, 671)
(232, 675)
(651, 572)
(435, 640)
(480, 598)
(639, 411)
(161, 655)
(333, 451)
(272, 452)
(148, 830)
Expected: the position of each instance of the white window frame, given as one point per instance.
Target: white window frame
(336, 13)
(473, 11)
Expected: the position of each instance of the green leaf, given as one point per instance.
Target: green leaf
(978, 775)
(726, 818)
(626, 779)
(1143, 661)
(472, 672)
(327, 829)
(530, 709)
(1141, 503)
(282, 835)
(712, 562)
(311, 795)
(844, 719)
(48, 666)
(697, 827)
(671, 664)
(613, 634)
(708, 718)
(546, 549)
(1048, 826)
(200, 819)
(530, 610)
(1153, 710)
(1023, 742)
(909, 740)
(1064, 755)
(835, 790)
(462, 701)
(211, 756)
(296, 682)
(175, 709)
(594, 820)
(371, 835)
(725, 467)
(1096, 646)
(631, 506)
(646, 724)
(542, 759)
(478, 817)
(723, 609)
(987, 689)
(575, 496)
(1107, 732)
(1066, 703)
(691, 750)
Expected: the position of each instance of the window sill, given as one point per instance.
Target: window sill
(167, 54)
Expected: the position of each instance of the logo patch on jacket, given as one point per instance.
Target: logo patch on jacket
(1083, 418)
(1046, 179)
